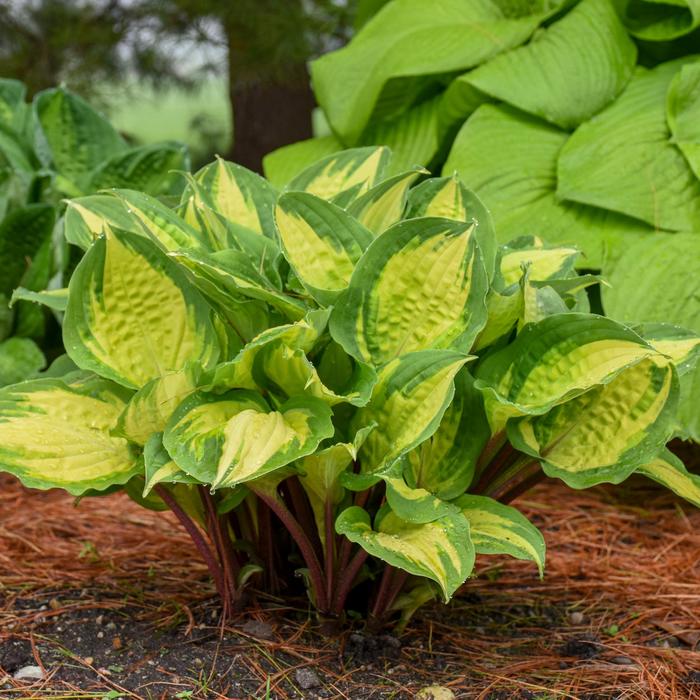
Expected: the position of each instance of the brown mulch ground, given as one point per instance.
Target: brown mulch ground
(112, 601)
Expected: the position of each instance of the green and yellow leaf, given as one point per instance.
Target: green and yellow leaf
(87, 218)
(159, 466)
(670, 472)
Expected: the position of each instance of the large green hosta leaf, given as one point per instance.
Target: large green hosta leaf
(286, 163)
(499, 529)
(132, 315)
(230, 439)
(57, 434)
(12, 93)
(606, 433)
(625, 161)
(667, 292)
(421, 284)
(659, 20)
(72, 137)
(410, 43)
(408, 401)
(555, 76)
(554, 360)
(20, 359)
(510, 160)
(440, 550)
(321, 242)
(683, 112)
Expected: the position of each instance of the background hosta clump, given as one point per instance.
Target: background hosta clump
(349, 378)
(576, 122)
(53, 148)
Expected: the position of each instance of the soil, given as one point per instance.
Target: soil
(110, 601)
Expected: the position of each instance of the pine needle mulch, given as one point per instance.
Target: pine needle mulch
(616, 616)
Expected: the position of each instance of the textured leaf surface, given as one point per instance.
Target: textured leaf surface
(441, 550)
(132, 315)
(72, 137)
(159, 466)
(683, 112)
(284, 164)
(416, 39)
(569, 71)
(421, 284)
(235, 438)
(86, 218)
(407, 404)
(54, 434)
(510, 160)
(606, 433)
(667, 292)
(499, 529)
(352, 172)
(624, 160)
(321, 242)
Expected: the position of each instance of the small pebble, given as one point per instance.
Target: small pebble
(100, 635)
(89, 660)
(110, 626)
(435, 692)
(622, 661)
(261, 630)
(307, 678)
(99, 619)
(29, 673)
(198, 663)
(117, 643)
(576, 618)
(54, 604)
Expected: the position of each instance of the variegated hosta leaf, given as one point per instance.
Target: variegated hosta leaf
(321, 242)
(57, 434)
(444, 463)
(441, 550)
(382, 206)
(538, 303)
(420, 285)
(232, 273)
(238, 194)
(238, 373)
(407, 404)
(669, 471)
(132, 316)
(609, 431)
(447, 197)
(320, 473)
(415, 505)
(160, 467)
(502, 311)
(344, 175)
(234, 438)
(554, 360)
(543, 262)
(499, 529)
(681, 346)
(87, 218)
(284, 368)
(150, 408)
(158, 222)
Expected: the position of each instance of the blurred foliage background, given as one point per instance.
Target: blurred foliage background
(224, 76)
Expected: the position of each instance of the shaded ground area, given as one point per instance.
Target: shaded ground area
(110, 601)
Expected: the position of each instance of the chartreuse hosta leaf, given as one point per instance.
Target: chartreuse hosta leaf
(344, 175)
(681, 346)
(659, 21)
(683, 112)
(444, 463)
(132, 316)
(624, 160)
(284, 164)
(383, 204)
(321, 242)
(150, 408)
(447, 197)
(231, 273)
(669, 471)
(159, 222)
(604, 434)
(421, 284)
(230, 439)
(56, 299)
(408, 401)
(543, 262)
(440, 550)
(499, 529)
(537, 77)
(160, 467)
(20, 359)
(57, 434)
(86, 218)
(554, 360)
(415, 505)
(239, 372)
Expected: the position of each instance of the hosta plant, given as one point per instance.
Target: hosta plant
(347, 380)
(55, 147)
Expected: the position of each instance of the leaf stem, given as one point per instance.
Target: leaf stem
(329, 549)
(522, 486)
(346, 577)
